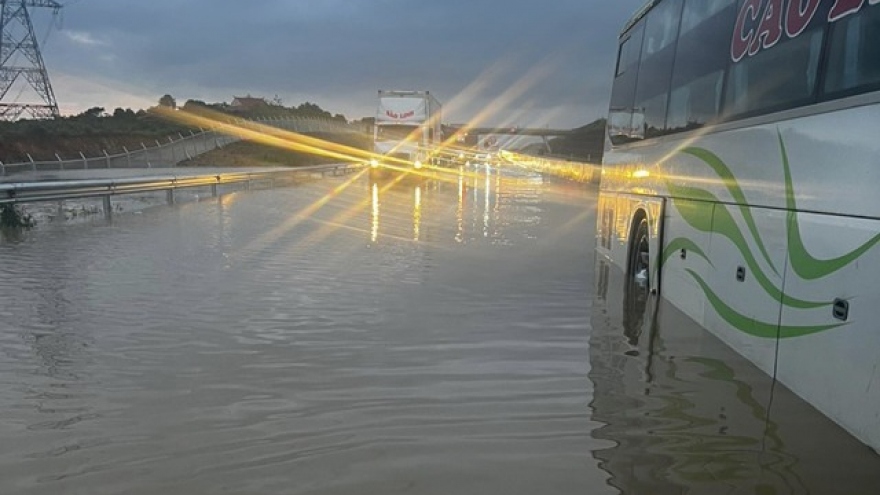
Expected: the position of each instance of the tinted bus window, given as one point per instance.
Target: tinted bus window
(662, 28)
(620, 118)
(697, 11)
(630, 49)
(701, 60)
(655, 70)
(776, 78)
(854, 55)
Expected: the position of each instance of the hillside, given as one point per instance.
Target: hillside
(94, 131)
(90, 133)
(249, 154)
(585, 143)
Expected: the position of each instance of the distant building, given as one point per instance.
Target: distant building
(247, 104)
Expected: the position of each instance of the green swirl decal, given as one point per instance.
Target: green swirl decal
(712, 160)
(676, 245)
(724, 224)
(754, 327)
(693, 205)
(802, 262)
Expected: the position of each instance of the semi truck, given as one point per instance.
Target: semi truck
(408, 128)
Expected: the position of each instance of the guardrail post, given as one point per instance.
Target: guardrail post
(60, 161)
(169, 196)
(85, 162)
(107, 157)
(2, 168)
(214, 188)
(146, 155)
(108, 208)
(33, 165)
(127, 156)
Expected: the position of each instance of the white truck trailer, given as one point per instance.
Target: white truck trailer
(408, 127)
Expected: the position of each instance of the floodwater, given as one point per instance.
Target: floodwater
(347, 336)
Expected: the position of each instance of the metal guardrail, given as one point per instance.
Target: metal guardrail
(176, 149)
(28, 192)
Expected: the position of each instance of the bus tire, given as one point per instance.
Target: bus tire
(639, 262)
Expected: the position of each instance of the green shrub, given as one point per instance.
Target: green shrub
(12, 217)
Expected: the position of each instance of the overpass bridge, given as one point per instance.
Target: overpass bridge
(470, 136)
(509, 131)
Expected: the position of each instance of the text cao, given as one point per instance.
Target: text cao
(400, 116)
(762, 23)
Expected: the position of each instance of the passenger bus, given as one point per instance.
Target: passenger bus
(741, 183)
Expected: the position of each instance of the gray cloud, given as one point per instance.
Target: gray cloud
(337, 53)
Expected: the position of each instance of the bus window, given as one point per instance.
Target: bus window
(620, 118)
(655, 70)
(662, 28)
(776, 78)
(697, 11)
(696, 103)
(701, 62)
(854, 54)
(630, 50)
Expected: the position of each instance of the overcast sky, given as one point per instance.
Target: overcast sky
(523, 62)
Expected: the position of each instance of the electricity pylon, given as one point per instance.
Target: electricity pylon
(20, 57)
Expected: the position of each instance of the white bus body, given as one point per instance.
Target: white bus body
(756, 167)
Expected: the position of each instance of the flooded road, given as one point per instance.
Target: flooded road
(355, 337)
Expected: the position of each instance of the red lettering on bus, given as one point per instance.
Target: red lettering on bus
(770, 30)
(843, 8)
(800, 14)
(743, 39)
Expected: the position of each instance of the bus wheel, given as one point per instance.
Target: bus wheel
(638, 267)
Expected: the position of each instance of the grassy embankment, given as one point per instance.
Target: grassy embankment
(93, 132)
(249, 154)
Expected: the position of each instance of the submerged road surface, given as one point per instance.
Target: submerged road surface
(355, 337)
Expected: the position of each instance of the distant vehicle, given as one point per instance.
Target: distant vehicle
(740, 183)
(408, 128)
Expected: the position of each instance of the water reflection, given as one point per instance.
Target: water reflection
(482, 201)
(417, 214)
(459, 211)
(688, 415)
(374, 230)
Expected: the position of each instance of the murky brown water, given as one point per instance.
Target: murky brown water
(413, 337)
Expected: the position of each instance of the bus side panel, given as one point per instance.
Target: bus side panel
(615, 223)
(685, 251)
(605, 218)
(833, 362)
(744, 288)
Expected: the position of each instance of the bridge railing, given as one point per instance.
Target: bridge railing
(170, 151)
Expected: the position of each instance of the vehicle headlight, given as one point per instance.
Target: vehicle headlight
(417, 164)
(374, 163)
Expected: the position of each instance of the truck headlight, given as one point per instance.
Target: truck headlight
(374, 163)
(417, 164)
